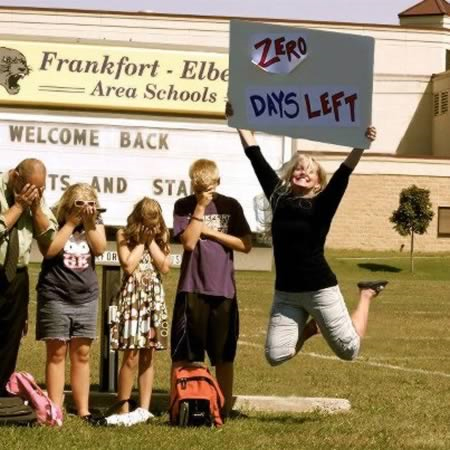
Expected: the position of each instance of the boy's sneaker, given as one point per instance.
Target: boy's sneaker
(139, 415)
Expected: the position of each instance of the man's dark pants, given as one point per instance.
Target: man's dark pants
(13, 314)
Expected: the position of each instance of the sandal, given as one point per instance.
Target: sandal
(95, 421)
(377, 286)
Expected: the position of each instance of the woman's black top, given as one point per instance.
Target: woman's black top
(300, 227)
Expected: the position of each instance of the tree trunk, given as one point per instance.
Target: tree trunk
(411, 257)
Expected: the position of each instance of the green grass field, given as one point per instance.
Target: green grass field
(399, 387)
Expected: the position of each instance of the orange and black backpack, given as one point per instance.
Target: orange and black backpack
(195, 398)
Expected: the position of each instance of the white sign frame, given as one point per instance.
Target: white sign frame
(98, 154)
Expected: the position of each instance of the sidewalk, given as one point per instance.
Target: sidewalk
(248, 403)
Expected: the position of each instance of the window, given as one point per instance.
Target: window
(444, 102)
(444, 221)
(440, 103)
(436, 104)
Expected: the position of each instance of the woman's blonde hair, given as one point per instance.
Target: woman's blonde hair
(203, 173)
(78, 191)
(284, 187)
(147, 212)
(286, 171)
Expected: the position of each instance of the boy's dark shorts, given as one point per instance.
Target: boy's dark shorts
(204, 322)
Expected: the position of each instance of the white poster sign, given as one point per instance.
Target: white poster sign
(302, 83)
(126, 160)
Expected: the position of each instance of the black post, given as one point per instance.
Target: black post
(109, 358)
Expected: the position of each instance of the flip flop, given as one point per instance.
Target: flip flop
(377, 286)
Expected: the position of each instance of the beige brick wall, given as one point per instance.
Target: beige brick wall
(362, 220)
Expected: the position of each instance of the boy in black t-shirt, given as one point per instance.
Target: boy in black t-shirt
(210, 226)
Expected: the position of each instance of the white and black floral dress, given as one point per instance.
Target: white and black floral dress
(141, 320)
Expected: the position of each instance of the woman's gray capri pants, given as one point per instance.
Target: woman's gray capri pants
(290, 311)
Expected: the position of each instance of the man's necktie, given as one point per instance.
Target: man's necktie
(12, 254)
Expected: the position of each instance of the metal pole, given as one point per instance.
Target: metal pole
(109, 358)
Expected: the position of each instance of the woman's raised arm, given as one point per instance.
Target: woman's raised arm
(267, 177)
(355, 155)
(247, 136)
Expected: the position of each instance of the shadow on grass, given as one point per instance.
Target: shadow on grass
(103, 402)
(379, 267)
(287, 419)
(284, 419)
(95, 387)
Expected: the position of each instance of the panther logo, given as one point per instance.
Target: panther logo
(13, 67)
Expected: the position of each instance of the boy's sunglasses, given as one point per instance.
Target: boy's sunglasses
(82, 203)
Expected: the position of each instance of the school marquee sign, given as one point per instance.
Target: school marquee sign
(130, 78)
(125, 160)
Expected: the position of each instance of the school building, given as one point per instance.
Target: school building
(126, 101)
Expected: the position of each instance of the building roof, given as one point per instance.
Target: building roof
(428, 8)
(145, 14)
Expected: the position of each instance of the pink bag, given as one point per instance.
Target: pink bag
(23, 385)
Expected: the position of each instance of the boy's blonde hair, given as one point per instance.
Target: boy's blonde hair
(78, 191)
(203, 173)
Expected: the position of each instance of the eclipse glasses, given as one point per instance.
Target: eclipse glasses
(92, 203)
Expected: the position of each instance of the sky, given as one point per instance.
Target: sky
(362, 11)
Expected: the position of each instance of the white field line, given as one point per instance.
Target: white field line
(256, 335)
(363, 362)
(400, 302)
(250, 344)
(410, 338)
(382, 365)
(408, 358)
(394, 338)
(361, 258)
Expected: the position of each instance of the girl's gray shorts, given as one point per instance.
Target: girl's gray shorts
(61, 319)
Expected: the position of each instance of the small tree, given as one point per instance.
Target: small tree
(413, 215)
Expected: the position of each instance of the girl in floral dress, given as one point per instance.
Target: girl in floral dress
(141, 324)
